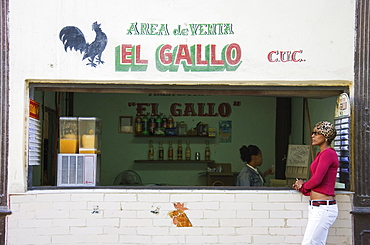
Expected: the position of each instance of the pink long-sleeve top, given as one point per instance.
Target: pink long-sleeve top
(323, 173)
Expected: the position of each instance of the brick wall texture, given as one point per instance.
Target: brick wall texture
(96, 217)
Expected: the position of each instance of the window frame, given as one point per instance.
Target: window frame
(302, 91)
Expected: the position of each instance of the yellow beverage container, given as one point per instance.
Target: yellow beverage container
(90, 129)
(68, 135)
(88, 144)
(68, 146)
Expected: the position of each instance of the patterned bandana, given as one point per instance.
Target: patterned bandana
(326, 129)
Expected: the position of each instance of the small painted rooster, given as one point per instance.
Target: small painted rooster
(73, 38)
(179, 217)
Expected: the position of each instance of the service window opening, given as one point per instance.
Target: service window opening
(197, 147)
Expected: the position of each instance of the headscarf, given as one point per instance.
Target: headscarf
(327, 129)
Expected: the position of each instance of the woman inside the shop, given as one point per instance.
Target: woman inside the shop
(250, 175)
(323, 209)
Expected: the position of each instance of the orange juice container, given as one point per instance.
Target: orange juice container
(68, 135)
(89, 131)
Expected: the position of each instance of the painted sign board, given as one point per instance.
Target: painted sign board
(298, 155)
(164, 41)
(34, 109)
(343, 108)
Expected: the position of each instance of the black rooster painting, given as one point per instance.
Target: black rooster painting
(73, 38)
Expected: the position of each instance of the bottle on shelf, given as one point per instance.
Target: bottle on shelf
(170, 126)
(160, 151)
(197, 156)
(170, 151)
(187, 151)
(145, 126)
(158, 121)
(151, 150)
(152, 125)
(179, 150)
(138, 126)
(164, 122)
(159, 129)
(171, 122)
(207, 153)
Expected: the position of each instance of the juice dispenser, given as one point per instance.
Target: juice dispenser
(68, 135)
(89, 131)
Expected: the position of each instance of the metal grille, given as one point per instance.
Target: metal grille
(72, 170)
(77, 169)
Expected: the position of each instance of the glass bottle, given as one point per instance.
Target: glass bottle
(179, 150)
(158, 121)
(207, 152)
(160, 151)
(152, 125)
(170, 123)
(145, 126)
(159, 129)
(164, 122)
(151, 151)
(170, 151)
(187, 151)
(138, 126)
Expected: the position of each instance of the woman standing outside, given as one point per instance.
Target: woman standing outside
(323, 209)
(250, 175)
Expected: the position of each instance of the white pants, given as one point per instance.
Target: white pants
(320, 218)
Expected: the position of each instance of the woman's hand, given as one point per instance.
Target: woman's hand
(298, 184)
(269, 171)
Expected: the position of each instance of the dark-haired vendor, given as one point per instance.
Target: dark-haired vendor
(250, 175)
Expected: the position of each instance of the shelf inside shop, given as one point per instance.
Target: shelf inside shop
(173, 161)
(170, 136)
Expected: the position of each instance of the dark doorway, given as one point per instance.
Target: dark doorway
(49, 142)
(282, 132)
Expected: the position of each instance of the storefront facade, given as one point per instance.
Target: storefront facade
(203, 66)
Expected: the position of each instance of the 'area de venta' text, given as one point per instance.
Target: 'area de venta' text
(153, 29)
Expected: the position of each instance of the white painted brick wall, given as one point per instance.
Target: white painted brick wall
(125, 217)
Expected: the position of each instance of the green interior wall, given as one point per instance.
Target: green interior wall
(253, 122)
(319, 110)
